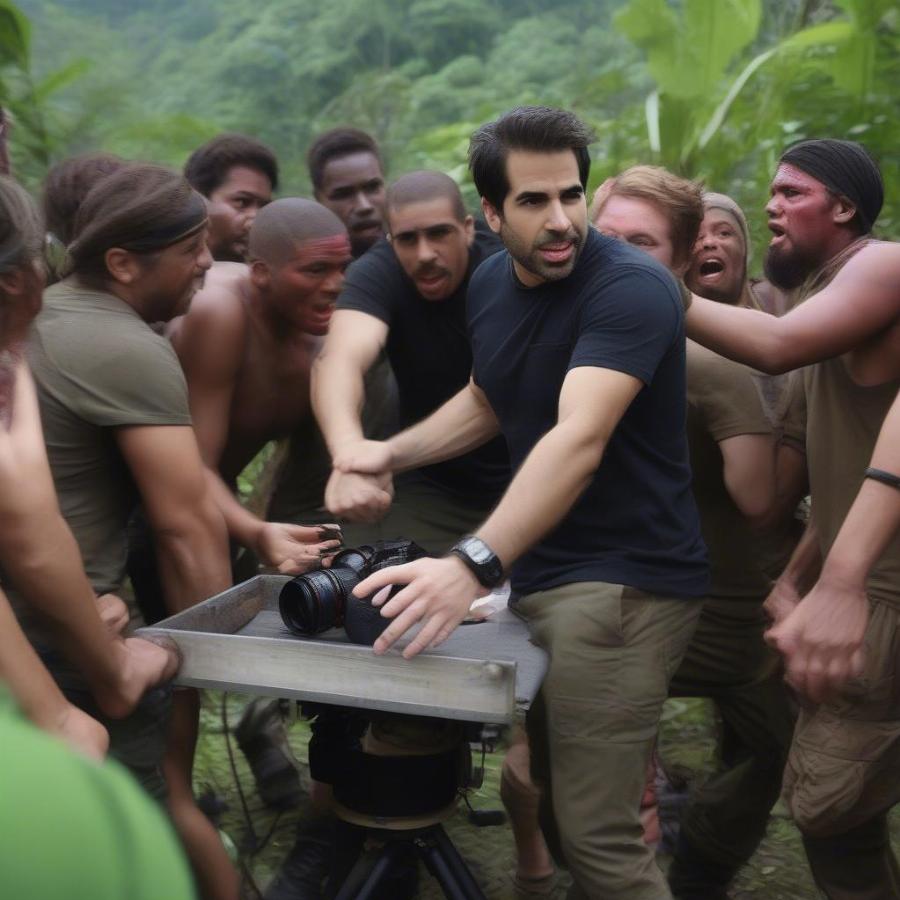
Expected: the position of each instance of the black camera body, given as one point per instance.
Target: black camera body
(314, 602)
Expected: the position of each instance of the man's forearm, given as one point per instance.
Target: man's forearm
(464, 422)
(746, 335)
(242, 526)
(338, 392)
(41, 558)
(545, 488)
(193, 556)
(35, 691)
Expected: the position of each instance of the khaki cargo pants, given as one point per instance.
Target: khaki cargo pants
(843, 773)
(613, 651)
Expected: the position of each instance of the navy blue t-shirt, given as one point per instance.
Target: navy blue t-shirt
(636, 523)
(428, 348)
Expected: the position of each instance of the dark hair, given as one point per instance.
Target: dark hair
(67, 184)
(541, 129)
(208, 166)
(142, 208)
(21, 229)
(416, 187)
(334, 144)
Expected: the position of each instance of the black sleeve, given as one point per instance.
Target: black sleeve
(373, 283)
(629, 324)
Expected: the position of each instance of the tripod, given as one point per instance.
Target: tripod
(430, 844)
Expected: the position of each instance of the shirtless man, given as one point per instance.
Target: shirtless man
(843, 768)
(237, 175)
(247, 347)
(52, 584)
(347, 177)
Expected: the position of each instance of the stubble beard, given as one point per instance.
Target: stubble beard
(529, 258)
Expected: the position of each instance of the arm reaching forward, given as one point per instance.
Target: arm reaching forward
(439, 592)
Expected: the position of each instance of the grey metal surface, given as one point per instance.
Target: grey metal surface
(236, 641)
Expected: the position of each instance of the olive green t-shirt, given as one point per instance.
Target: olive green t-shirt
(98, 367)
(843, 423)
(724, 402)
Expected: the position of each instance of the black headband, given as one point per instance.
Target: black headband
(192, 219)
(845, 168)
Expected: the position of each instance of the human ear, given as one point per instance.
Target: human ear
(491, 216)
(260, 274)
(843, 210)
(122, 265)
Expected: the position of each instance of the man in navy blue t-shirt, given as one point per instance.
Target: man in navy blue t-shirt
(579, 361)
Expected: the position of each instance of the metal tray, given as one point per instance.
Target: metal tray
(236, 641)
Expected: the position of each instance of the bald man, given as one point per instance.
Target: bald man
(246, 347)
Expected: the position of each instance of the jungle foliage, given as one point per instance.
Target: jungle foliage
(712, 90)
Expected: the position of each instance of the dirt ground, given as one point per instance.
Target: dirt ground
(778, 871)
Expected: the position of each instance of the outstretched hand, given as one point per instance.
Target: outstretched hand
(294, 549)
(437, 593)
(822, 640)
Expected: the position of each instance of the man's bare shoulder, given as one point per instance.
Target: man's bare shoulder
(218, 312)
(876, 259)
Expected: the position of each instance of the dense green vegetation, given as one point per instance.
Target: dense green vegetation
(713, 90)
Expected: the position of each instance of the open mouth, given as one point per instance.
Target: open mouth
(778, 233)
(557, 253)
(711, 267)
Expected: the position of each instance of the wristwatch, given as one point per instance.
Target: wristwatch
(483, 562)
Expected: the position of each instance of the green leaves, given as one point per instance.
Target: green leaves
(15, 35)
(688, 55)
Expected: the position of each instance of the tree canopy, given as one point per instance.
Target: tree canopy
(712, 90)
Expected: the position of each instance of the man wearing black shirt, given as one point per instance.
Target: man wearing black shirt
(579, 360)
(407, 294)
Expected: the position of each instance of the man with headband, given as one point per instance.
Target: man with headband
(117, 425)
(842, 650)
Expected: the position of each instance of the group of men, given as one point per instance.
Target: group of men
(517, 395)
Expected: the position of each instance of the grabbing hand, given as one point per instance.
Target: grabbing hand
(142, 664)
(822, 640)
(293, 549)
(780, 603)
(357, 497)
(438, 593)
(113, 613)
(369, 457)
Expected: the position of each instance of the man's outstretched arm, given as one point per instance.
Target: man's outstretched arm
(354, 341)
(439, 592)
(862, 300)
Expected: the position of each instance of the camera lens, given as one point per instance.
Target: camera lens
(312, 603)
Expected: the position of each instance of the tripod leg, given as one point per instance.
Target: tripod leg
(457, 864)
(439, 868)
(351, 889)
